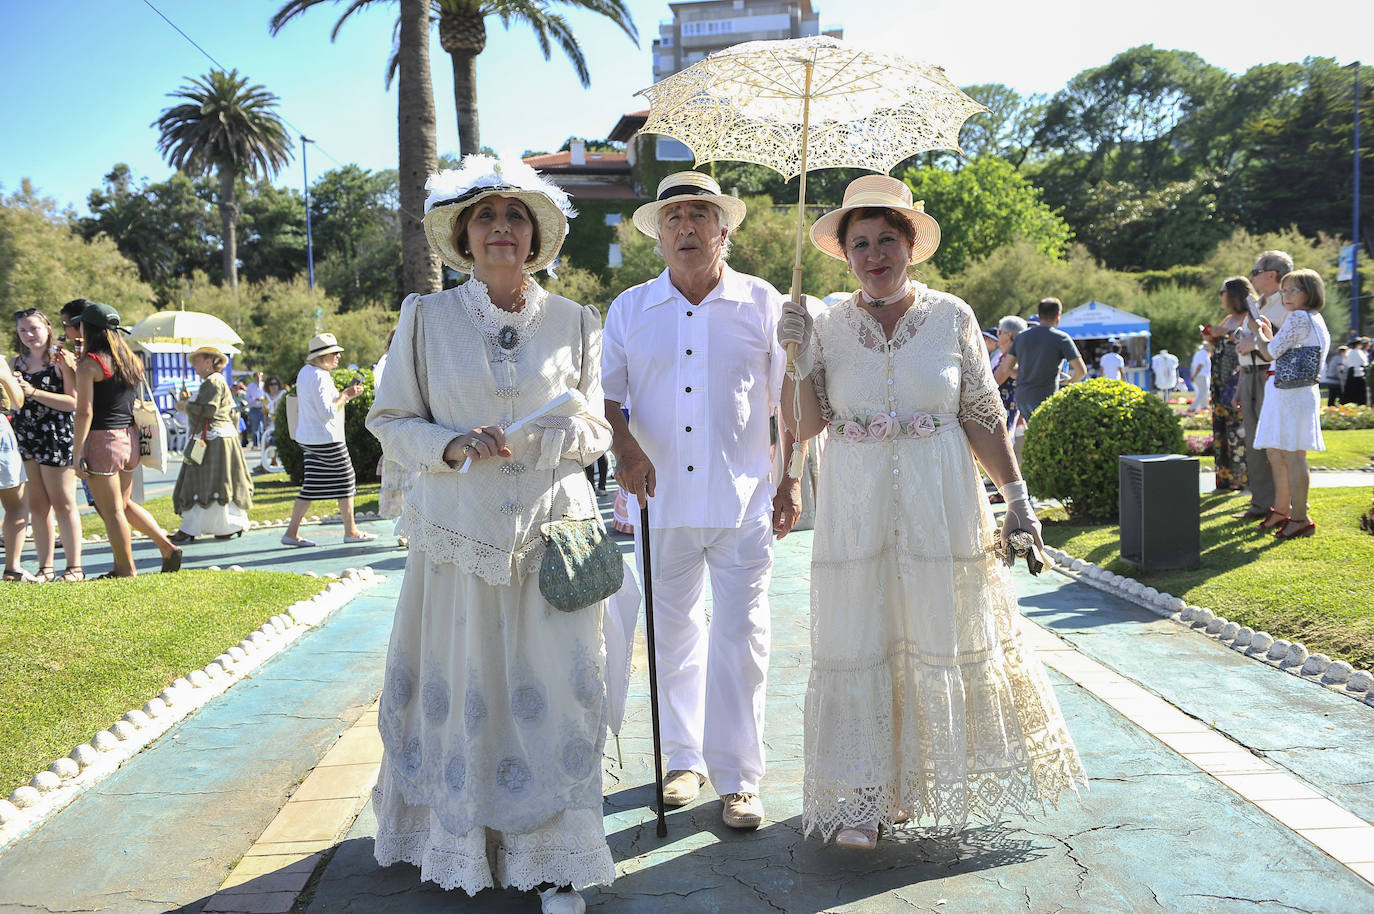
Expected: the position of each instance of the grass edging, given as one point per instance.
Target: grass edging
(1289, 656)
(51, 790)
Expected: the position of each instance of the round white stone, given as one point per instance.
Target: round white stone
(235, 567)
(25, 796)
(1228, 631)
(155, 707)
(122, 730)
(1360, 681)
(1186, 613)
(1316, 664)
(1203, 617)
(1244, 635)
(137, 718)
(1279, 649)
(169, 696)
(104, 741)
(1369, 698)
(181, 682)
(309, 574)
(8, 812)
(1215, 625)
(84, 755)
(215, 568)
(45, 781)
(236, 653)
(1151, 592)
(257, 639)
(1176, 604)
(1261, 643)
(1297, 655)
(214, 669)
(1337, 673)
(64, 768)
(247, 646)
(198, 679)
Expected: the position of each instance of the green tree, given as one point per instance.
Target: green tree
(165, 228)
(982, 207)
(45, 263)
(273, 221)
(463, 35)
(228, 128)
(357, 232)
(1013, 278)
(1007, 129)
(1178, 222)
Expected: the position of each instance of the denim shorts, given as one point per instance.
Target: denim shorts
(11, 463)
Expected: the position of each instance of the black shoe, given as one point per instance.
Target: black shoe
(228, 536)
(171, 562)
(181, 538)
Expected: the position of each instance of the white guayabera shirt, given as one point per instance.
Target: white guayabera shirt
(703, 379)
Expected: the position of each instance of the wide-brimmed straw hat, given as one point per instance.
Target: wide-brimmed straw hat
(322, 344)
(455, 189)
(688, 185)
(220, 357)
(883, 192)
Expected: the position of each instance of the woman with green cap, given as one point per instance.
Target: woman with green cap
(106, 437)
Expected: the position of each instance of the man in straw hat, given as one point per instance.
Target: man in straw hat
(694, 351)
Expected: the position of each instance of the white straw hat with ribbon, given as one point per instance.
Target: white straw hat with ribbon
(455, 189)
(688, 185)
(322, 344)
(879, 191)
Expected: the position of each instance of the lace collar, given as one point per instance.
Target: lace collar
(506, 332)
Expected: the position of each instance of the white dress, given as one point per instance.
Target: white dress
(493, 711)
(1291, 419)
(923, 696)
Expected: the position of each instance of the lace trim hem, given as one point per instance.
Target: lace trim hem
(490, 563)
(463, 869)
(987, 554)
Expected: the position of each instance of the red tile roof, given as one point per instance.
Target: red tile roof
(597, 162)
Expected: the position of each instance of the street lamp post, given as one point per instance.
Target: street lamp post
(1355, 236)
(309, 243)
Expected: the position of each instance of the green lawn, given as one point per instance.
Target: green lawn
(1350, 449)
(1315, 590)
(273, 495)
(74, 657)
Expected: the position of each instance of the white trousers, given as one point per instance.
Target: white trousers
(712, 677)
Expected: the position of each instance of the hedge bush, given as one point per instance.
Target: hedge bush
(364, 450)
(1074, 439)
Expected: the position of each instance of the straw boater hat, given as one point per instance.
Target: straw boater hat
(453, 190)
(688, 185)
(885, 192)
(214, 352)
(322, 344)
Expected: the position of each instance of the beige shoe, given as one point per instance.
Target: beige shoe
(742, 810)
(681, 787)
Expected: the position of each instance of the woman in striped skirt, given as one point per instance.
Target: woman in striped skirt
(320, 434)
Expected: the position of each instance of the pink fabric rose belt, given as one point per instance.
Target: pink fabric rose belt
(886, 427)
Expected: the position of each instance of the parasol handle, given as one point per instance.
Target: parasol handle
(797, 463)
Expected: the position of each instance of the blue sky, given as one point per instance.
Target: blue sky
(84, 80)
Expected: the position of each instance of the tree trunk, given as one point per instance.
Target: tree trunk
(229, 223)
(417, 159)
(465, 101)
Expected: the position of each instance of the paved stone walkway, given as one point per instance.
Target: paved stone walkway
(1217, 784)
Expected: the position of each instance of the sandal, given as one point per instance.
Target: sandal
(171, 562)
(73, 573)
(858, 837)
(1272, 520)
(181, 537)
(1304, 529)
(20, 575)
(45, 574)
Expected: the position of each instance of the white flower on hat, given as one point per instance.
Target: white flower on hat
(479, 172)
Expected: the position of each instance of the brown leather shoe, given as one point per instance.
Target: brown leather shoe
(1251, 514)
(681, 786)
(741, 810)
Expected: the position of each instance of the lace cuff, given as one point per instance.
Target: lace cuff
(818, 379)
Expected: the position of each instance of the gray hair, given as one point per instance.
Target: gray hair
(725, 245)
(1278, 261)
(1011, 324)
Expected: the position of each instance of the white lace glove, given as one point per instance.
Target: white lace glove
(1020, 516)
(557, 430)
(794, 328)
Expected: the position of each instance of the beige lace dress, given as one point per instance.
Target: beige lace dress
(922, 696)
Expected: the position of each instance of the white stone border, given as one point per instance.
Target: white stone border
(364, 516)
(67, 778)
(1289, 656)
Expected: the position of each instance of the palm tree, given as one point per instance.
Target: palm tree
(463, 34)
(229, 127)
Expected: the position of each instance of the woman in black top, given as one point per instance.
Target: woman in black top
(106, 438)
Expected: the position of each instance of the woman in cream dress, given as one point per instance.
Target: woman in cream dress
(493, 706)
(923, 702)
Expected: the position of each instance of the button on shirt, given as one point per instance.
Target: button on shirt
(701, 380)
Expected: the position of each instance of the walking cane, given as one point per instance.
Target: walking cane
(653, 667)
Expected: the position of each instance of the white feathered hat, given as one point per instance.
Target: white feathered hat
(455, 189)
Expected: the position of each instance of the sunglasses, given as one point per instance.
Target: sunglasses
(1257, 271)
(26, 312)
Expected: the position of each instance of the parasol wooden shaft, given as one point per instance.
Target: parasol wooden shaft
(798, 458)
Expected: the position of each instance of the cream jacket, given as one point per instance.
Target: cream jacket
(443, 378)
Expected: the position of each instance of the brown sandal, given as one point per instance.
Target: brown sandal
(73, 573)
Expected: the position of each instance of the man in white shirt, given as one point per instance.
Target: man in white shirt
(1165, 368)
(1270, 268)
(1113, 365)
(255, 403)
(1200, 373)
(695, 350)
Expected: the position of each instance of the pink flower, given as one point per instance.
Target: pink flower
(851, 430)
(882, 427)
(923, 425)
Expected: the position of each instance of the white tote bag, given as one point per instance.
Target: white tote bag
(152, 434)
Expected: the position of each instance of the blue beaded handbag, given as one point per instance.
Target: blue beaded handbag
(581, 564)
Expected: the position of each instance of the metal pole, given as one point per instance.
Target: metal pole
(1355, 235)
(652, 651)
(309, 242)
